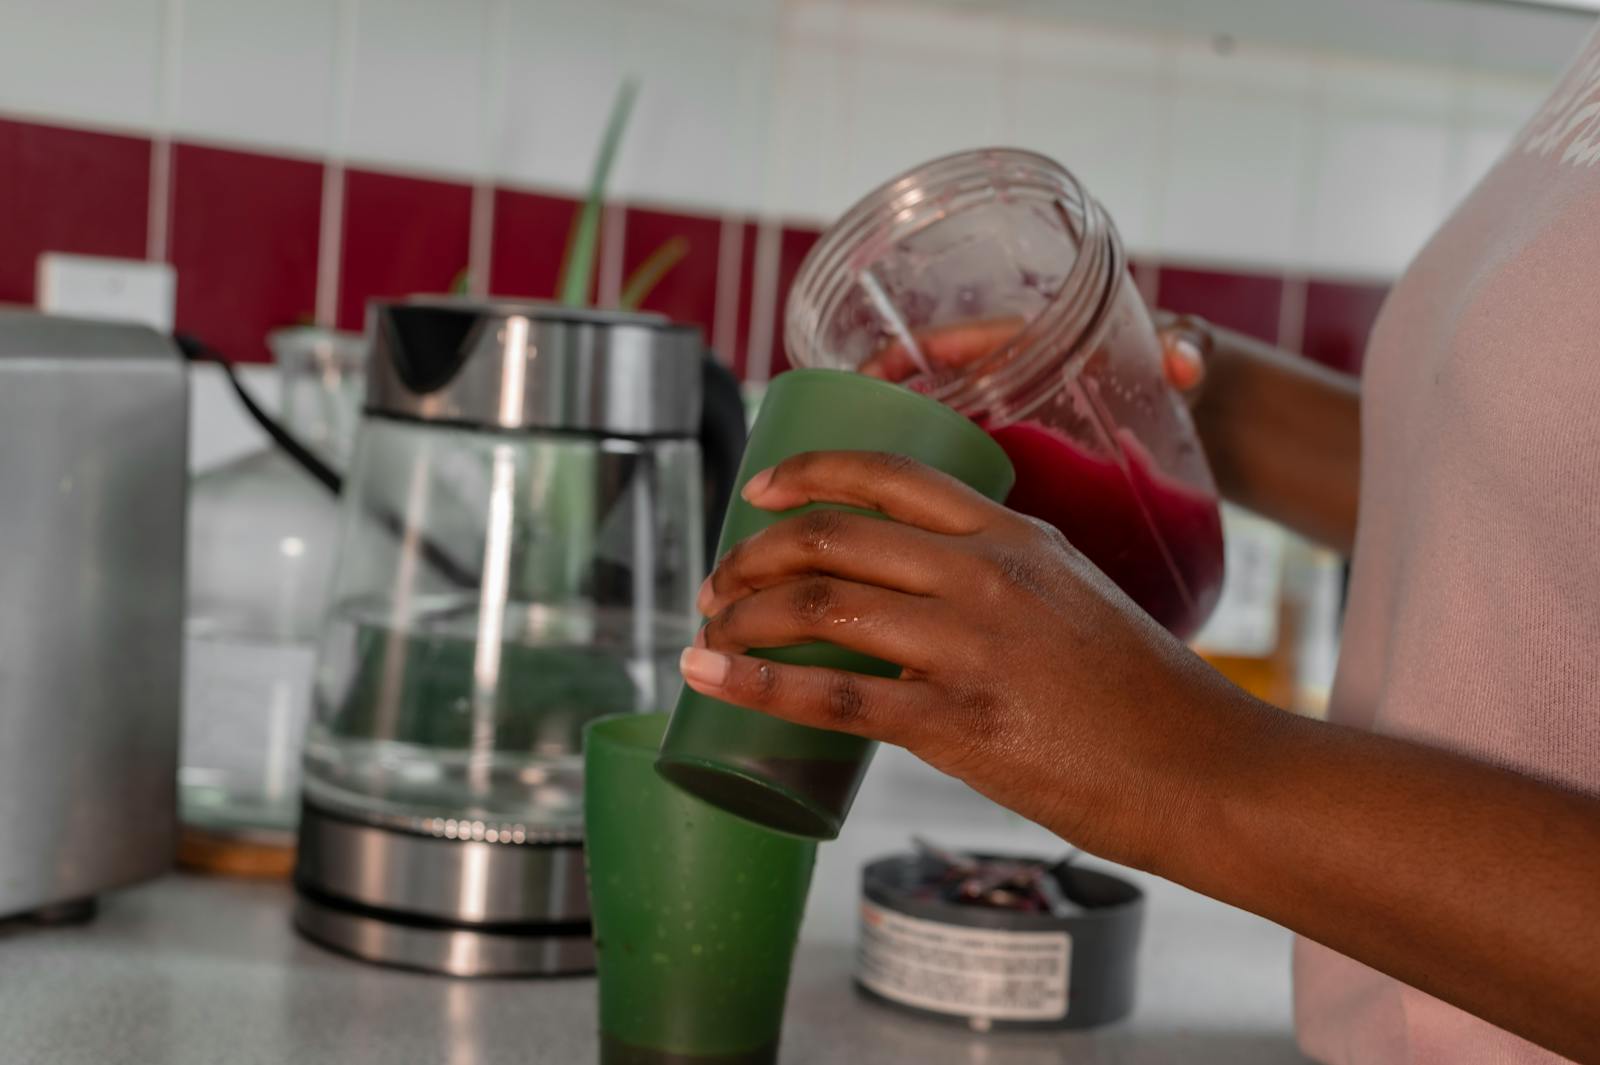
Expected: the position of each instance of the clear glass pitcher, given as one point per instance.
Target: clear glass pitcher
(262, 536)
(993, 281)
(522, 542)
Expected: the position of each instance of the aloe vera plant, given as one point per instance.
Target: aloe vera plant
(578, 263)
(576, 277)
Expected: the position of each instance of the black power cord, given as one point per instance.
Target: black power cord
(198, 351)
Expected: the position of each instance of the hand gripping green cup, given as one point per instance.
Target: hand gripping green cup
(696, 912)
(775, 773)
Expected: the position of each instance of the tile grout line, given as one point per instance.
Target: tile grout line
(330, 222)
(763, 303)
(613, 244)
(497, 61)
(158, 212)
(1292, 313)
(330, 244)
(730, 264)
(158, 217)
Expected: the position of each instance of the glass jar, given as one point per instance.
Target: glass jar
(262, 537)
(992, 281)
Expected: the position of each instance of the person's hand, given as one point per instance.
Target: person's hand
(1026, 672)
(1185, 344)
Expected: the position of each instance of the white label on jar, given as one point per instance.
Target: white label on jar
(1245, 623)
(970, 972)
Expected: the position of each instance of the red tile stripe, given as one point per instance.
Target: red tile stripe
(245, 235)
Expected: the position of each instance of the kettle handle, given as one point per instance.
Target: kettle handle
(722, 438)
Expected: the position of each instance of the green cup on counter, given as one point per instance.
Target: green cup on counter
(696, 912)
(777, 774)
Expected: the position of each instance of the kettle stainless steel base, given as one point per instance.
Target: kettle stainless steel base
(446, 903)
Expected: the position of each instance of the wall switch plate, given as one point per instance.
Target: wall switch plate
(88, 286)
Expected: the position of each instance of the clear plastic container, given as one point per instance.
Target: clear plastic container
(262, 538)
(992, 281)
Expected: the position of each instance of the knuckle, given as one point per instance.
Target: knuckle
(719, 627)
(813, 599)
(800, 466)
(727, 568)
(818, 532)
(763, 684)
(888, 464)
(1020, 569)
(980, 710)
(844, 702)
(1046, 533)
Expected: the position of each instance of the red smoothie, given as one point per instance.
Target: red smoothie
(1159, 540)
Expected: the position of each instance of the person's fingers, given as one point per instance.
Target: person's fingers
(944, 347)
(1182, 361)
(875, 707)
(836, 543)
(895, 486)
(911, 631)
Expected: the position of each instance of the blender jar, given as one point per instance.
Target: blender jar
(992, 281)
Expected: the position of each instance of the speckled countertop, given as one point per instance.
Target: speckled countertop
(193, 971)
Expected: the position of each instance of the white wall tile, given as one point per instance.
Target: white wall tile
(1491, 113)
(92, 61)
(804, 176)
(698, 135)
(1379, 191)
(417, 85)
(1431, 93)
(1237, 158)
(1098, 104)
(1382, 157)
(261, 74)
(568, 59)
(921, 84)
(1503, 100)
(699, 132)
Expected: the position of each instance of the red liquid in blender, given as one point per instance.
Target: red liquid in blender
(1159, 540)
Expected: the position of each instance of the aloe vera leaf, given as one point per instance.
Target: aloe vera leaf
(650, 272)
(577, 268)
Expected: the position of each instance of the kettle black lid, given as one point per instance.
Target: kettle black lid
(526, 365)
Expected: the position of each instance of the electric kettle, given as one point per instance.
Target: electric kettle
(524, 527)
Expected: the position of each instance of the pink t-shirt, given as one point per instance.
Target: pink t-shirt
(1474, 620)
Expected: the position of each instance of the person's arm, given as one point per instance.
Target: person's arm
(1282, 433)
(1031, 677)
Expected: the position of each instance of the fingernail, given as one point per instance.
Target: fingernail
(756, 485)
(700, 666)
(703, 598)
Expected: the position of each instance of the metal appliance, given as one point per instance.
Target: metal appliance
(93, 467)
(523, 537)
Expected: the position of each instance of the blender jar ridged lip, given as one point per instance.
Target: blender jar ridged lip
(1055, 340)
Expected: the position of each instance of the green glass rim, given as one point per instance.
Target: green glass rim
(993, 455)
(641, 732)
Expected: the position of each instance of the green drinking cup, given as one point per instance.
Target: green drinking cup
(777, 774)
(696, 912)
